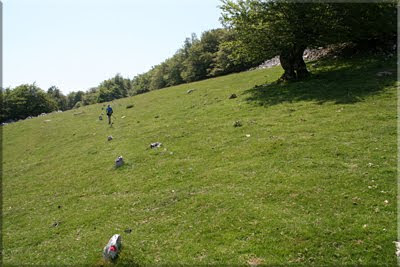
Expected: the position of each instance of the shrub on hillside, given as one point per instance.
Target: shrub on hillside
(25, 100)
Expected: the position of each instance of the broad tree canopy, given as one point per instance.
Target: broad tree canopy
(285, 28)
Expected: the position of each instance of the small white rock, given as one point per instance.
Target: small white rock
(397, 248)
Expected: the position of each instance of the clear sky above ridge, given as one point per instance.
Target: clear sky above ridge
(76, 44)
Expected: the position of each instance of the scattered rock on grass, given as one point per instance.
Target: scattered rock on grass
(233, 96)
(119, 162)
(113, 247)
(109, 138)
(190, 91)
(270, 63)
(237, 124)
(397, 243)
(129, 106)
(155, 145)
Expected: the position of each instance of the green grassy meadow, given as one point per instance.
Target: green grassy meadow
(309, 179)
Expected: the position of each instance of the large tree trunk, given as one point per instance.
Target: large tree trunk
(293, 64)
(287, 64)
(299, 64)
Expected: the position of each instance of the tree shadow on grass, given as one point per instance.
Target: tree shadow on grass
(332, 81)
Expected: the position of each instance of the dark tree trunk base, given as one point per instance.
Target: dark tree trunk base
(293, 64)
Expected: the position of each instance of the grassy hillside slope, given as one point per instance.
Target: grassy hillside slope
(310, 177)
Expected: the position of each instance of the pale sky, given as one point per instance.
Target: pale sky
(76, 44)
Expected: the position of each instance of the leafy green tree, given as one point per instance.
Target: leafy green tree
(199, 57)
(26, 100)
(73, 98)
(174, 66)
(6, 107)
(78, 104)
(229, 58)
(141, 83)
(78, 96)
(188, 44)
(90, 97)
(157, 80)
(285, 28)
(173, 70)
(58, 97)
(193, 67)
(70, 100)
(370, 24)
(107, 94)
(114, 88)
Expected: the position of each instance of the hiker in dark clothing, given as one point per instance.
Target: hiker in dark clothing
(109, 112)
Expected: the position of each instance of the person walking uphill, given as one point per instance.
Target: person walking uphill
(109, 112)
